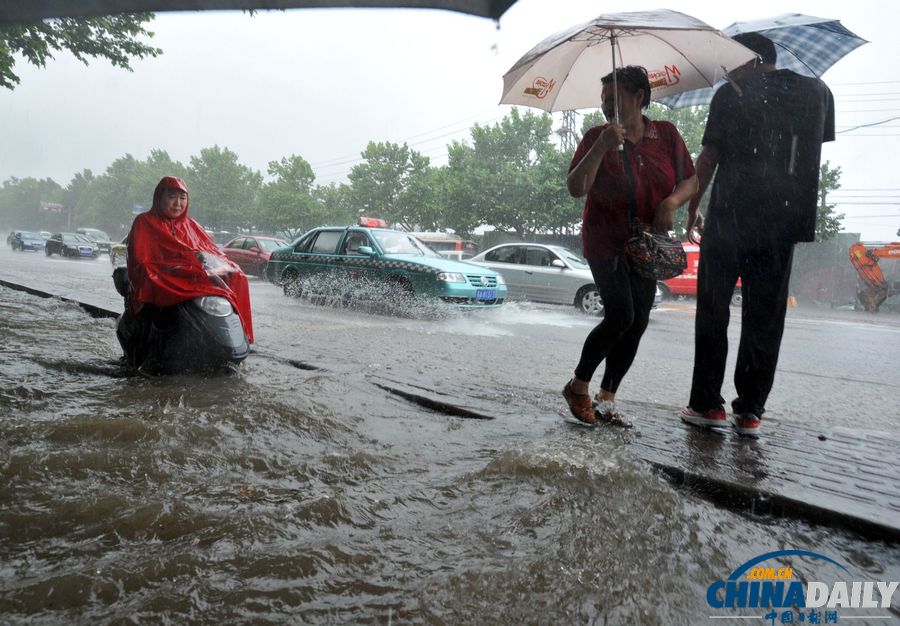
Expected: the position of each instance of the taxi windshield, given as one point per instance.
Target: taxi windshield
(394, 242)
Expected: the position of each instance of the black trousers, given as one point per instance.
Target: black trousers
(627, 300)
(764, 267)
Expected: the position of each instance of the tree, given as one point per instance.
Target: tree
(335, 204)
(107, 202)
(458, 197)
(828, 223)
(20, 204)
(386, 184)
(112, 37)
(224, 193)
(286, 204)
(512, 177)
(75, 189)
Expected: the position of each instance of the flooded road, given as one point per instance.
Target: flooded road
(302, 492)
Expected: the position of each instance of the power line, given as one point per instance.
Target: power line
(870, 124)
(355, 157)
(877, 82)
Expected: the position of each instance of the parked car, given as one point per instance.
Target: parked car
(26, 240)
(685, 284)
(71, 245)
(373, 261)
(252, 253)
(97, 236)
(544, 273)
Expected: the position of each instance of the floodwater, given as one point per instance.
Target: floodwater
(299, 492)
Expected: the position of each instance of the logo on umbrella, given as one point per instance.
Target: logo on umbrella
(540, 87)
(666, 77)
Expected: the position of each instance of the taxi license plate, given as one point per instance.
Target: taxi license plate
(485, 294)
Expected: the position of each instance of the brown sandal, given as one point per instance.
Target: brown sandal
(580, 405)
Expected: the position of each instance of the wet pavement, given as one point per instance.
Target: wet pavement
(349, 475)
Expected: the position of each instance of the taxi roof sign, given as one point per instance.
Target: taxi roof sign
(372, 222)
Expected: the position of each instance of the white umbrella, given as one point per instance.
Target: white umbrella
(563, 72)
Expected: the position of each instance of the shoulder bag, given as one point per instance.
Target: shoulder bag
(650, 255)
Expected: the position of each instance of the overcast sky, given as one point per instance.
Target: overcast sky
(322, 83)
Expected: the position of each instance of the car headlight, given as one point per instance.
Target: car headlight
(451, 277)
(216, 306)
(500, 280)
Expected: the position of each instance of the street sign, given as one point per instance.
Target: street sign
(52, 207)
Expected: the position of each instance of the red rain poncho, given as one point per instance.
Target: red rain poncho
(165, 266)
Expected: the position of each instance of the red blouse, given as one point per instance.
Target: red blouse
(659, 161)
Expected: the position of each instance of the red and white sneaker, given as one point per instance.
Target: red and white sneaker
(747, 424)
(714, 418)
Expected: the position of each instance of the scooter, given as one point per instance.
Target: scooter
(199, 336)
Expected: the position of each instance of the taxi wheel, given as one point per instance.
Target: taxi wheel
(47, 251)
(291, 283)
(588, 301)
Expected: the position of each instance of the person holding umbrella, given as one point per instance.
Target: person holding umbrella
(630, 163)
(763, 141)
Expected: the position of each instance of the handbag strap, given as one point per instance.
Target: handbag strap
(632, 194)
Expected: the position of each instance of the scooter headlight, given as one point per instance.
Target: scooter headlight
(215, 305)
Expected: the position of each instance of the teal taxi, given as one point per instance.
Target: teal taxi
(371, 260)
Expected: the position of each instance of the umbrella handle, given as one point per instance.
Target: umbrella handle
(612, 47)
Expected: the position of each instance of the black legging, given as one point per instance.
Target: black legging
(627, 300)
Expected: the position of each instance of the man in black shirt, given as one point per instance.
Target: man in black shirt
(764, 134)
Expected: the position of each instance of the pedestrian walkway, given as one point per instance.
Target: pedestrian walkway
(836, 477)
(843, 477)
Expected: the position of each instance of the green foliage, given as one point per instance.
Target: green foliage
(20, 204)
(106, 201)
(511, 177)
(388, 184)
(828, 223)
(286, 204)
(111, 37)
(224, 193)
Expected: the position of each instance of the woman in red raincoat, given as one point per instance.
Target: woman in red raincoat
(171, 259)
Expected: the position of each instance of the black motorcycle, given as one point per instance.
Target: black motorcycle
(199, 336)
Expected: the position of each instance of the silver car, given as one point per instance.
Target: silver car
(544, 273)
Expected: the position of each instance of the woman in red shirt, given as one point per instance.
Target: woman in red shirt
(662, 179)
